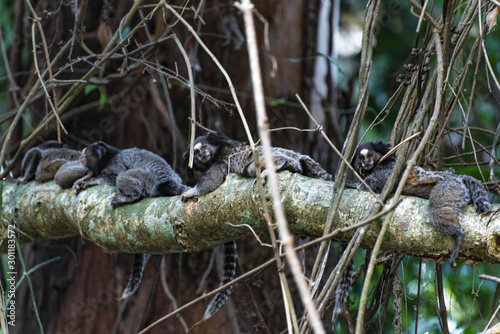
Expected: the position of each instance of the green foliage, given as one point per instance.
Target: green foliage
(395, 37)
(468, 298)
(6, 17)
(102, 94)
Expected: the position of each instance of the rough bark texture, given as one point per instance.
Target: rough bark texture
(153, 115)
(165, 225)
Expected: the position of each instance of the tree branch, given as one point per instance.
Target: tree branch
(164, 225)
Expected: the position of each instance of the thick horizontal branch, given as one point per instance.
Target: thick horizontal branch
(162, 225)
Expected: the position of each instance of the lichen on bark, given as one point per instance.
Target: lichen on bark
(166, 224)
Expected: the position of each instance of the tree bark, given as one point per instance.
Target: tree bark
(166, 225)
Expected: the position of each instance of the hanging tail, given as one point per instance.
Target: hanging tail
(228, 272)
(136, 277)
(342, 290)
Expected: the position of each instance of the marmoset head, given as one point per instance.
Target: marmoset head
(368, 155)
(96, 156)
(205, 148)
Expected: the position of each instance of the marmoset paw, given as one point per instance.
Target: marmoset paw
(80, 185)
(120, 200)
(188, 194)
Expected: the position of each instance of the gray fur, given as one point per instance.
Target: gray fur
(447, 193)
(41, 163)
(366, 164)
(69, 173)
(479, 197)
(137, 174)
(368, 155)
(342, 290)
(446, 199)
(228, 272)
(135, 277)
(218, 155)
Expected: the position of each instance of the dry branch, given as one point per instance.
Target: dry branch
(163, 225)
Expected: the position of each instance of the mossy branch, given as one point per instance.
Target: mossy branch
(163, 225)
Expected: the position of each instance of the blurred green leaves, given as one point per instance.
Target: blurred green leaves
(102, 94)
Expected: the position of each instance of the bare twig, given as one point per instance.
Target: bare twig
(490, 278)
(37, 71)
(347, 162)
(13, 87)
(169, 294)
(286, 238)
(193, 98)
(253, 232)
(218, 64)
(49, 66)
(486, 57)
(70, 95)
(249, 274)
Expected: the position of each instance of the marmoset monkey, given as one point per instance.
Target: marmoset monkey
(446, 191)
(137, 174)
(41, 163)
(217, 155)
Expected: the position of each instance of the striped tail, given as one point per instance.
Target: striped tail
(228, 272)
(136, 277)
(342, 291)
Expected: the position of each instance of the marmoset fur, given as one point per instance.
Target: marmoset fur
(41, 163)
(228, 271)
(69, 173)
(217, 155)
(137, 174)
(446, 191)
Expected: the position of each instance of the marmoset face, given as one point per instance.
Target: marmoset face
(203, 154)
(366, 159)
(93, 157)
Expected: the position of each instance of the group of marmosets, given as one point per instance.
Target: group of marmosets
(138, 173)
